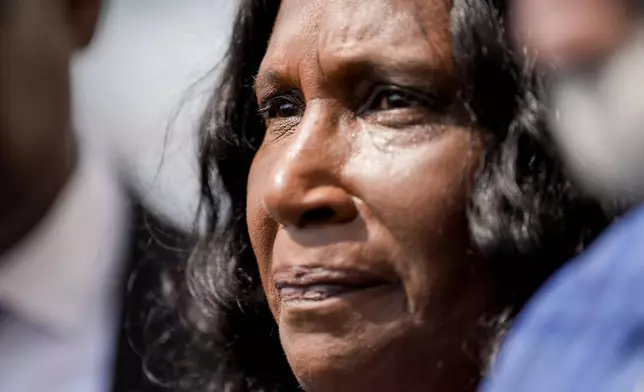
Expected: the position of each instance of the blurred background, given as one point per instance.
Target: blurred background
(140, 89)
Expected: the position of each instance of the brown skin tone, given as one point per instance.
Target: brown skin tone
(37, 151)
(572, 32)
(357, 197)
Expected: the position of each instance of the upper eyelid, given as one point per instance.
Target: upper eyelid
(413, 90)
(373, 93)
(265, 106)
(265, 99)
(274, 92)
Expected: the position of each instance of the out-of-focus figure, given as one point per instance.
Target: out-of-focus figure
(140, 89)
(594, 51)
(65, 223)
(584, 331)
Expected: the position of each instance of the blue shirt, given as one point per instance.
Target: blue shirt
(584, 331)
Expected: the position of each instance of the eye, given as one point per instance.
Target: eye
(281, 107)
(391, 98)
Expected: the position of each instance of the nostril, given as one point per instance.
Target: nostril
(304, 205)
(317, 215)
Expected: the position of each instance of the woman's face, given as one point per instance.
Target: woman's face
(357, 197)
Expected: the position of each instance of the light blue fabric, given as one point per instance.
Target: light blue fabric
(584, 331)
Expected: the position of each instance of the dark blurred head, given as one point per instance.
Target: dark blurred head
(381, 190)
(37, 40)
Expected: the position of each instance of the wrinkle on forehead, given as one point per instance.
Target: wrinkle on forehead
(326, 32)
(390, 22)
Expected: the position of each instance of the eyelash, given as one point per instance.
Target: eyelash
(270, 109)
(415, 99)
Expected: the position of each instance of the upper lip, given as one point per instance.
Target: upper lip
(304, 276)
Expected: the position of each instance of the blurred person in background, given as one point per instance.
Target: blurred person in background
(593, 51)
(390, 198)
(584, 330)
(66, 225)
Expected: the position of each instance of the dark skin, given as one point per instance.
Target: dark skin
(357, 198)
(37, 148)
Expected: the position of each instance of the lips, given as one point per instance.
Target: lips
(315, 284)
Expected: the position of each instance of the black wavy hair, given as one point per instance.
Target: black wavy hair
(526, 218)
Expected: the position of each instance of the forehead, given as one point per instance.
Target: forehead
(329, 31)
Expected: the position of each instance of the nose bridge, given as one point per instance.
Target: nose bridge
(315, 153)
(306, 185)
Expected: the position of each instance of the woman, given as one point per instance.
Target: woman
(391, 198)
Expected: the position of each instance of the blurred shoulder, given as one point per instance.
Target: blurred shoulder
(582, 330)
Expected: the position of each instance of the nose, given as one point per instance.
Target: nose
(301, 198)
(307, 186)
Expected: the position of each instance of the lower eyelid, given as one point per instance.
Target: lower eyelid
(402, 118)
(280, 128)
(399, 112)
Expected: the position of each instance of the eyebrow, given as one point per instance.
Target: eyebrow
(270, 80)
(410, 71)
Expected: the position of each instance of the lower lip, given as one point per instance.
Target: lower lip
(323, 298)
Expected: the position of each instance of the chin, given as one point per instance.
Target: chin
(366, 360)
(339, 343)
(378, 355)
(377, 339)
(398, 359)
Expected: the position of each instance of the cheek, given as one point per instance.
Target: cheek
(418, 194)
(417, 188)
(261, 228)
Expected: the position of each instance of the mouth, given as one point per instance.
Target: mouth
(318, 284)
